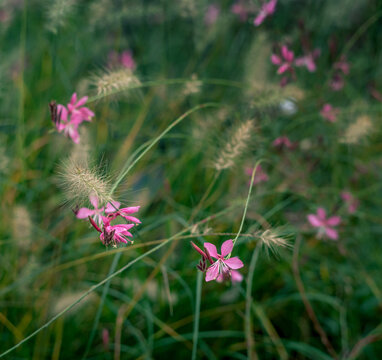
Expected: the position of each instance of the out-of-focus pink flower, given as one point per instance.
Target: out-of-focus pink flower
(125, 59)
(283, 142)
(212, 14)
(285, 61)
(240, 9)
(105, 338)
(337, 82)
(260, 175)
(72, 116)
(329, 112)
(236, 277)
(342, 65)
(266, 10)
(351, 201)
(309, 60)
(221, 269)
(325, 225)
(341, 68)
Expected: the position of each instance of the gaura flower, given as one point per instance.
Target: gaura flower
(325, 225)
(113, 234)
(342, 65)
(240, 9)
(309, 60)
(222, 267)
(72, 116)
(260, 176)
(341, 68)
(351, 201)
(212, 14)
(267, 9)
(112, 210)
(283, 142)
(329, 112)
(285, 61)
(95, 213)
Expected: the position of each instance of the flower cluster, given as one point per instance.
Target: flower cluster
(224, 267)
(67, 119)
(101, 219)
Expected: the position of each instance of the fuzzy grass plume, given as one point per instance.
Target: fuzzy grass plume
(235, 146)
(79, 180)
(112, 82)
(357, 130)
(58, 12)
(275, 239)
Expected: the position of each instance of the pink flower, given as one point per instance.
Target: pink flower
(127, 60)
(341, 68)
(351, 201)
(283, 142)
(285, 62)
(324, 225)
(329, 112)
(72, 116)
(309, 60)
(221, 268)
(266, 10)
(241, 10)
(96, 213)
(112, 212)
(212, 14)
(260, 175)
(337, 82)
(113, 234)
(342, 65)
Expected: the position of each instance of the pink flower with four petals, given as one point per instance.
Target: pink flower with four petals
(221, 269)
(325, 225)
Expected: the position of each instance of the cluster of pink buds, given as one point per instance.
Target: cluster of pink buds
(101, 219)
(67, 119)
(224, 267)
(341, 68)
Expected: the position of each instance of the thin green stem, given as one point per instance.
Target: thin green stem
(203, 199)
(246, 205)
(172, 125)
(199, 283)
(251, 354)
(105, 291)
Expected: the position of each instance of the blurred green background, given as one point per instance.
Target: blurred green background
(319, 299)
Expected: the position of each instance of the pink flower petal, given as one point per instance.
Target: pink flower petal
(260, 18)
(211, 248)
(331, 233)
(94, 201)
(131, 218)
(83, 213)
(270, 7)
(321, 213)
(276, 60)
(73, 99)
(234, 263)
(129, 210)
(81, 102)
(236, 277)
(226, 248)
(213, 271)
(113, 206)
(334, 221)
(314, 220)
(283, 68)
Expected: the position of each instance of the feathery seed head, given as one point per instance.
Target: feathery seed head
(234, 148)
(274, 239)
